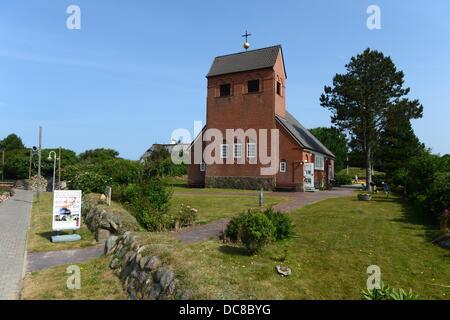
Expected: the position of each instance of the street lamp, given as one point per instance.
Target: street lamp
(54, 158)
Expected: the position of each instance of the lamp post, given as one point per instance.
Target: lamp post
(54, 158)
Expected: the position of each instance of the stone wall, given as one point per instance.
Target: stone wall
(251, 183)
(144, 275)
(104, 220)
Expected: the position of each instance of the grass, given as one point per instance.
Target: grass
(213, 206)
(214, 203)
(97, 283)
(336, 240)
(40, 232)
(360, 172)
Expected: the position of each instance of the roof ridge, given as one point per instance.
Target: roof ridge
(242, 52)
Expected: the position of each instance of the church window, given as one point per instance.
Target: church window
(224, 151)
(279, 88)
(238, 150)
(253, 86)
(318, 162)
(225, 90)
(251, 150)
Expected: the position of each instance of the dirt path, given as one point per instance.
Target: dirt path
(297, 200)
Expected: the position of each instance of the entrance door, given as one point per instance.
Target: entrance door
(308, 176)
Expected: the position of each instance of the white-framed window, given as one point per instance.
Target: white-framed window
(251, 150)
(283, 166)
(318, 162)
(224, 151)
(202, 166)
(238, 150)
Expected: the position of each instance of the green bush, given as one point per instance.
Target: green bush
(68, 173)
(438, 195)
(256, 231)
(283, 225)
(89, 181)
(342, 179)
(186, 216)
(233, 231)
(121, 171)
(150, 201)
(378, 179)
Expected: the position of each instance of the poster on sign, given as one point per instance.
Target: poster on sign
(66, 210)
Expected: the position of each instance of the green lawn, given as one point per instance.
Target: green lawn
(360, 172)
(214, 206)
(336, 240)
(40, 231)
(97, 283)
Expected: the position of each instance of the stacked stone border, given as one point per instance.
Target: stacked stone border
(143, 274)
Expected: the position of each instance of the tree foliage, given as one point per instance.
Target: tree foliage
(335, 141)
(363, 99)
(11, 142)
(98, 155)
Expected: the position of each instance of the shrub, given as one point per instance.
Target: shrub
(233, 231)
(438, 195)
(186, 216)
(281, 222)
(378, 179)
(121, 171)
(256, 231)
(150, 202)
(342, 179)
(89, 181)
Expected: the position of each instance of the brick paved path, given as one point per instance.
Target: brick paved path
(14, 223)
(296, 200)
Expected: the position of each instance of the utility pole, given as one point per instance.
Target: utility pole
(59, 169)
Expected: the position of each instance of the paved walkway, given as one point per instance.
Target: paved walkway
(42, 260)
(14, 223)
(297, 200)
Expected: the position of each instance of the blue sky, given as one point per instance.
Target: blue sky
(136, 69)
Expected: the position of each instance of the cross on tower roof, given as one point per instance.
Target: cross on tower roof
(246, 44)
(246, 35)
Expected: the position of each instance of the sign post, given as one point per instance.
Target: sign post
(66, 214)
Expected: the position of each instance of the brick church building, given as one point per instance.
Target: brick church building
(247, 90)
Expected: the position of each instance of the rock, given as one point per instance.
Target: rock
(155, 292)
(153, 264)
(172, 287)
(142, 278)
(102, 235)
(283, 270)
(158, 274)
(144, 261)
(110, 243)
(115, 263)
(113, 225)
(102, 197)
(185, 295)
(104, 224)
(166, 278)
